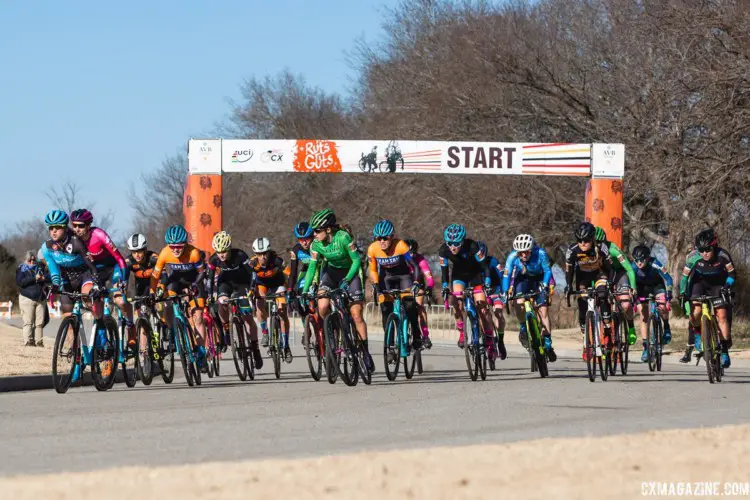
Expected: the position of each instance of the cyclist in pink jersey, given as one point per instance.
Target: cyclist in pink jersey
(429, 282)
(110, 264)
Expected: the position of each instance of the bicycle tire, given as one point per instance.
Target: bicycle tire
(312, 349)
(129, 373)
(182, 347)
(471, 360)
(538, 358)
(62, 379)
(217, 364)
(658, 347)
(331, 331)
(718, 368)
(103, 354)
(390, 345)
(588, 349)
(238, 348)
(709, 348)
(166, 358)
(481, 352)
(420, 368)
(409, 339)
(624, 358)
(145, 353)
(349, 371)
(276, 346)
(362, 165)
(651, 336)
(364, 373)
(383, 167)
(616, 343)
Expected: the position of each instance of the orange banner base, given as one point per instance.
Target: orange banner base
(202, 207)
(604, 207)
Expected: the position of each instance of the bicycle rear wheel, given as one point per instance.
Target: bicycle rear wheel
(332, 331)
(312, 349)
(67, 351)
(129, 358)
(145, 351)
(166, 356)
(588, 347)
(617, 339)
(104, 356)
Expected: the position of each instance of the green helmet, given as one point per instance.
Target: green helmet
(323, 219)
(600, 235)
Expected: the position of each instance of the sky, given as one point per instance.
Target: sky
(102, 92)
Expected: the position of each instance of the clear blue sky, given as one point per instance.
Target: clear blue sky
(100, 92)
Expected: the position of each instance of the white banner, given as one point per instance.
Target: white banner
(319, 156)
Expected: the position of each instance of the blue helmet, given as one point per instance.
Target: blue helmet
(56, 218)
(176, 235)
(303, 230)
(454, 234)
(383, 229)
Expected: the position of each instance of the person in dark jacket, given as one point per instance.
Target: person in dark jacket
(30, 280)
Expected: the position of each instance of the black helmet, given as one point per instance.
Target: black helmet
(585, 232)
(641, 253)
(413, 245)
(706, 239)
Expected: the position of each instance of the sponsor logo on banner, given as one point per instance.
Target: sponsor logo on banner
(480, 157)
(272, 155)
(316, 156)
(241, 156)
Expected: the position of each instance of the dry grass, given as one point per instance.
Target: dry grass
(15, 359)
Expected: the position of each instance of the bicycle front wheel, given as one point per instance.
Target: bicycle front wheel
(349, 366)
(658, 348)
(589, 352)
(312, 349)
(391, 358)
(145, 351)
(276, 346)
(182, 347)
(166, 356)
(239, 348)
(66, 355)
(332, 331)
(104, 356)
(470, 347)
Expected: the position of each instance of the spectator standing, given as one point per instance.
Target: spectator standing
(30, 279)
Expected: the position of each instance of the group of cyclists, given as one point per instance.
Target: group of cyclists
(82, 258)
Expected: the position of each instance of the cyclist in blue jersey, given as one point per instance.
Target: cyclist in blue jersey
(496, 299)
(528, 267)
(652, 278)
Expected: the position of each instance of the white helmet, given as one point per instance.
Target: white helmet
(136, 242)
(523, 243)
(261, 245)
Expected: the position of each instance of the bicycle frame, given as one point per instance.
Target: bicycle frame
(399, 310)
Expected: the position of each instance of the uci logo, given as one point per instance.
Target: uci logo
(241, 156)
(272, 155)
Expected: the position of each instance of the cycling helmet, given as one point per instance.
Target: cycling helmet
(413, 245)
(482, 247)
(585, 232)
(706, 239)
(599, 234)
(323, 219)
(383, 229)
(136, 242)
(221, 242)
(641, 253)
(56, 218)
(303, 230)
(82, 215)
(523, 243)
(176, 235)
(261, 245)
(454, 234)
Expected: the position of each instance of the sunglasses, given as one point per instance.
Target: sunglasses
(57, 227)
(705, 249)
(316, 231)
(640, 261)
(585, 241)
(454, 244)
(176, 247)
(525, 253)
(383, 238)
(79, 225)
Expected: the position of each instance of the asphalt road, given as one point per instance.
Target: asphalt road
(226, 419)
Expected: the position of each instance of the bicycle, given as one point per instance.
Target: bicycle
(655, 333)
(213, 344)
(276, 340)
(185, 339)
(163, 343)
(593, 351)
(75, 350)
(128, 356)
(241, 353)
(711, 343)
(475, 349)
(344, 356)
(534, 343)
(619, 346)
(147, 340)
(315, 350)
(399, 338)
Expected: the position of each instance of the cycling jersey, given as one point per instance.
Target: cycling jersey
(537, 268)
(68, 260)
(300, 261)
(270, 274)
(105, 254)
(396, 261)
(237, 269)
(425, 271)
(141, 271)
(594, 264)
(496, 273)
(653, 278)
(188, 267)
(340, 254)
(470, 265)
(718, 272)
(623, 269)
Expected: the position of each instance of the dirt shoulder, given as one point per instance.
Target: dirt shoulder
(606, 467)
(15, 359)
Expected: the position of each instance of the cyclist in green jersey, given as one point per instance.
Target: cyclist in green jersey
(342, 269)
(624, 282)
